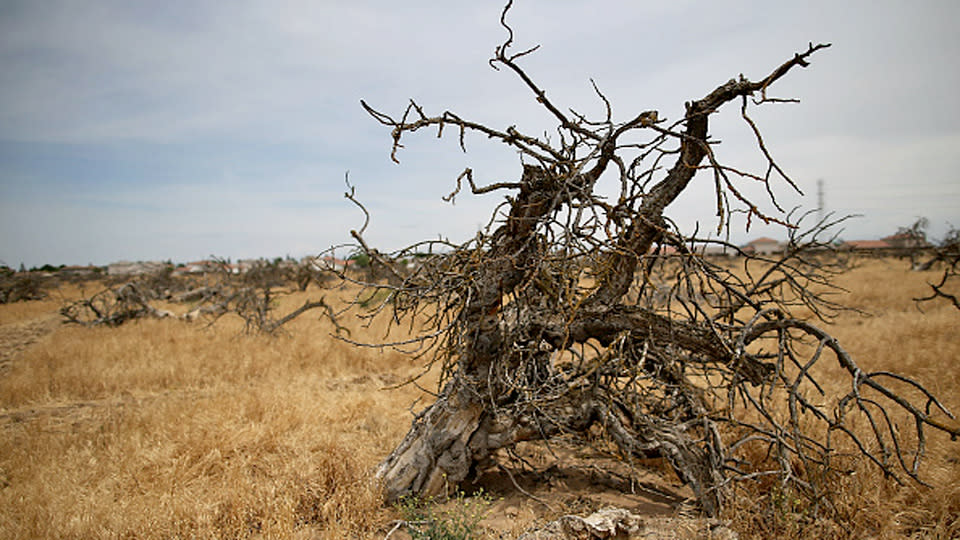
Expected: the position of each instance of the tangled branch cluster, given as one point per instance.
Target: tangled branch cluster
(20, 288)
(570, 311)
(947, 255)
(252, 296)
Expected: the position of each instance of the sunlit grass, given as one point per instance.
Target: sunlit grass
(163, 429)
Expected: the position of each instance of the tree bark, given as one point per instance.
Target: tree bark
(435, 453)
(550, 285)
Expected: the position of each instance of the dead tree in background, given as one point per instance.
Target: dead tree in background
(252, 295)
(113, 307)
(544, 324)
(946, 254)
(21, 287)
(925, 255)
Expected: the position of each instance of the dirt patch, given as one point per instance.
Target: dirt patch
(16, 337)
(540, 483)
(537, 490)
(617, 523)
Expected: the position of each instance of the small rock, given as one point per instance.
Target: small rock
(620, 524)
(608, 523)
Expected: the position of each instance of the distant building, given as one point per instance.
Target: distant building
(197, 268)
(714, 250)
(865, 245)
(906, 240)
(763, 246)
(80, 271)
(244, 265)
(127, 268)
(900, 241)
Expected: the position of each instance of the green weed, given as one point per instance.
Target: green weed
(457, 519)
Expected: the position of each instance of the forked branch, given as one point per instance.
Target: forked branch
(571, 311)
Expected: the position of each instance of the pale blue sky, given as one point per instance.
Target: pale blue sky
(177, 130)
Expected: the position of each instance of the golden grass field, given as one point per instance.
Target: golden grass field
(170, 429)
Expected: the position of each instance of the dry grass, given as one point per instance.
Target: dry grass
(163, 429)
(19, 312)
(895, 336)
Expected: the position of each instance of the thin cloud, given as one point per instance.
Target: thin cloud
(187, 118)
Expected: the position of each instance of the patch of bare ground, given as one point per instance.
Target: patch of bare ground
(540, 490)
(571, 490)
(576, 476)
(617, 523)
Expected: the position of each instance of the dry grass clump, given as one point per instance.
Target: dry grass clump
(163, 429)
(894, 335)
(19, 312)
(214, 466)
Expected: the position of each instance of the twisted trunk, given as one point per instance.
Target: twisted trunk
(481, 409)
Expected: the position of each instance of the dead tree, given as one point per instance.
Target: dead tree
(21, 287)
(252, 296)
(113, 307)
(544, 324)
(946, 254)
(925, 256)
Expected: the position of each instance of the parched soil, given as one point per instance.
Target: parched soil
(566, 474)
(546, 482)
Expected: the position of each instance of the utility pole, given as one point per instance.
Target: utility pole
(820, 204)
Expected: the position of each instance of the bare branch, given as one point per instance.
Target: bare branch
(569, 311)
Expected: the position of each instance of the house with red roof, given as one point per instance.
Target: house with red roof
(763, 246)
(865, 245)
